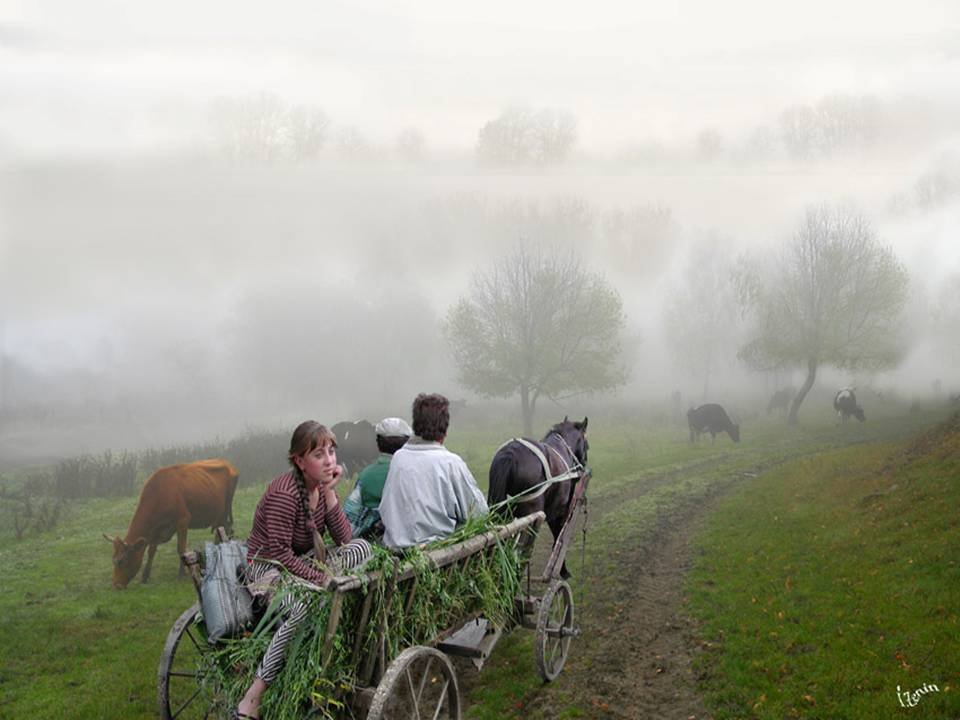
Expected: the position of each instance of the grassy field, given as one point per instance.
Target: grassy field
(827, 583)
(74, 647)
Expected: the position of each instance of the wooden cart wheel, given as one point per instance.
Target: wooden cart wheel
(180, 689)
(554, 629)
(419, 683)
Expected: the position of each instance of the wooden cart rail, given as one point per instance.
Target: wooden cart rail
(379, 679)
(370, 669)
(441, 557)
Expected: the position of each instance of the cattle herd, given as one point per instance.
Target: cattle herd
(200, 494)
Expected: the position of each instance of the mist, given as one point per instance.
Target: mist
(165, 280)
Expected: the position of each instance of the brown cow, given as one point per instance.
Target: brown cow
(174, 498)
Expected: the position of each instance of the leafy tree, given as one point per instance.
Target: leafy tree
(833, 295)
(536, 324)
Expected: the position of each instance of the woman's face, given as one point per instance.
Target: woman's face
(319, 464)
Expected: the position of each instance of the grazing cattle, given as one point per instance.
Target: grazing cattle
(356, 444)
(174, 498)
(845, 403)
(713, 419)
(780, 400)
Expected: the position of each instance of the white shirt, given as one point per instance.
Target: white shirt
(429, 491)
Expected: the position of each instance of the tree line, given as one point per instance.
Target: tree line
(536, 324)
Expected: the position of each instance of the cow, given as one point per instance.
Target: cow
(713, 419)
(356, 444)
(780, 400)
(845, 403)
(174, 499)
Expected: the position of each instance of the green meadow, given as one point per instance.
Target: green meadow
(830, 586)
(858, 581)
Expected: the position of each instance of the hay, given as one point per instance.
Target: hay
(487, 584)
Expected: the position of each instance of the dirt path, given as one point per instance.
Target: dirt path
(636, 661)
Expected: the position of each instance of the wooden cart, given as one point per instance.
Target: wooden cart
(421, 681)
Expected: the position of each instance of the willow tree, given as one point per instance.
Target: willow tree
(832, 295)
(537, 324)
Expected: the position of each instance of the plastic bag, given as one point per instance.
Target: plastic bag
(226, 601)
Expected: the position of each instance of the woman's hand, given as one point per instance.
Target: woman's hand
(328, 485)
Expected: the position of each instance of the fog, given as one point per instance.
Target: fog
(164, 279)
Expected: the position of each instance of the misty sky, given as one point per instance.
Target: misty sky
(93, 77)
(136, 270)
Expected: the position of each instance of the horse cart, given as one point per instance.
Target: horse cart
(421, 680)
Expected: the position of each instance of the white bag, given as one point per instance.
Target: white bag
(226, 601)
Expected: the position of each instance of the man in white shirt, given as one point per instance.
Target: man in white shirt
(429, 490)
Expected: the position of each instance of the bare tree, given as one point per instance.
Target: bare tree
(709, 144)
(946, 320)
(835, 123)
(251, 128)
(833, 295)
(701, 312)
(537, 324)
(306, 131)
(411, 145)
(520, 136)
(639, 238)
(351, 144)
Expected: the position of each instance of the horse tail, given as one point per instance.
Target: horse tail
(501, 470)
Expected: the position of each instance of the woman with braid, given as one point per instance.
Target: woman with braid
(289, 523)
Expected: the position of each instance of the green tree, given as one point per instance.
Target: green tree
(537, 324)
(832, 295)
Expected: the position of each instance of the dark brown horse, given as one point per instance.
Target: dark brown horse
(516, 471)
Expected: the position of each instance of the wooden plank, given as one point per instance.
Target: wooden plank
(361, 628)
(562, 544)
(332, 623)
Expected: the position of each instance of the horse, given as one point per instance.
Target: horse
(515, 469)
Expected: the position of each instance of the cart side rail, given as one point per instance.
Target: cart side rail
(442, 557)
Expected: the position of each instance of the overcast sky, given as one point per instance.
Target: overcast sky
(132, 270)
(79, 77)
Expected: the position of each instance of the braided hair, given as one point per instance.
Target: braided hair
(308, 436)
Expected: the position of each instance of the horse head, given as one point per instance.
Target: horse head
(574, 435)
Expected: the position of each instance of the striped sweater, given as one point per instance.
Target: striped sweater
(280, 530)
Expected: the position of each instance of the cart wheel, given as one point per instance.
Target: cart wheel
(554, 629)
(180, 688)
(419, 683)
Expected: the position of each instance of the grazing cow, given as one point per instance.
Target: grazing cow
(713, 419)
(780, 400)
(845, 403)
(174, 498)
(356, 444)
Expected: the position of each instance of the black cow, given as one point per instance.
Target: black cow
(780, 400)
(356, 444)
(845, 403)
(713, 419)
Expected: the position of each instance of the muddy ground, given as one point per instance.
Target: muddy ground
(635, 657)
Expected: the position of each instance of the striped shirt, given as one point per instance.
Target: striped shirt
(280, 530)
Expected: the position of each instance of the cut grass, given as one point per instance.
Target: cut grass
(826, 583)
(75, 647)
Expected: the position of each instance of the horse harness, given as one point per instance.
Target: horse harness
(539, 489)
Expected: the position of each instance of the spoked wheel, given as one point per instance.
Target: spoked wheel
(181, 690)
(554, 629)
(420, 683)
